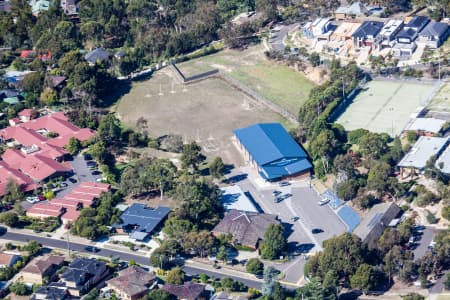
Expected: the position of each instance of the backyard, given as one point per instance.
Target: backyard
(385, 106)
(280, 84)
(206, 111)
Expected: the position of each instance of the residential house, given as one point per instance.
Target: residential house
(8, 259)
(8, 173)
(8, 93)
(83, 274)
(70, 7)
(97, 55)
(45, 210)
(40, 268)
(374, 223)
(30, 55)
(5, 5)
(247, 228)
(434, 34)
(425, 148)
(406, 45)
(319, 28)
(15, 77)
(386, 37)
(38, 6)
(187, 291)
(140, 220)
(53, 291)
(272, 151)
(365, 35)
(132, 283)
(225, 296)
(424, 126)
(56, 82)
(357, 9)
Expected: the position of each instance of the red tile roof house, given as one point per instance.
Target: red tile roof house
(31, 54)
(187, 291)
(26, 114)
(45, 210)
(8, 260)
(39, 156)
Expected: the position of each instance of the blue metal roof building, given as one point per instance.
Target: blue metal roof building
(272, 150)
(140, 220)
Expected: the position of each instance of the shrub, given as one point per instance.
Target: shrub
(446, 212)
(431, 218)
(254, 266)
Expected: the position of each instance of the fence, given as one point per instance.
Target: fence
(237, 85)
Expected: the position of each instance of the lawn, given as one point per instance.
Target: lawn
(385, 106)
(441, 101)
(205, 111)
(280, 84)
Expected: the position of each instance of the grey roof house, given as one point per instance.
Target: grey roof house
(140, 220)
(411, 30)
(425, 147)
(374, 223)
(443, 162)
(53, 291)
(386, 37)
(83, 274)
(247, 228)
(187, 291)
(366, 33)
(97, 55)
(434, 34)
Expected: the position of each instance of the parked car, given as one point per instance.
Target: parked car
(63, 184)
(316, 230)
(276, 193)
(278, 199)
(3, 230)
(32, 199)
(72, 180)
(283, 183)
(323, 201)
(295, 218)
(92, 249)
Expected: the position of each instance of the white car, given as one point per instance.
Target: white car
(32, 200)
(323, 201)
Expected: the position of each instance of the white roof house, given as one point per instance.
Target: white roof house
(386, 36)
(316, 28)
(430, 125)
(422, 151)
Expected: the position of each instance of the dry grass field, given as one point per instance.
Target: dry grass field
(205, 111)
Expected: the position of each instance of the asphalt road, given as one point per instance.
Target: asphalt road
(142, 260)
(277, 37)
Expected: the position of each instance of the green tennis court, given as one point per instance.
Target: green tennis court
(385, 106)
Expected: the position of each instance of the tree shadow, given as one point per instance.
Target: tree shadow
(122, 88)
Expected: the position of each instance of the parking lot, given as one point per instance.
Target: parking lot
(300, 213)
(423, 241)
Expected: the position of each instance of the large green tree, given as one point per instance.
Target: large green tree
(275, 242)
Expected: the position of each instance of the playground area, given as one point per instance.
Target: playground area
(206, 111)
(386, 106)
(441, 101)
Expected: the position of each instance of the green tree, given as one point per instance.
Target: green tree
(447, 282)
(201, 243)
(132, 262)
(217, 168)
(159, 258)
(274, 242)
(363, 278)
(254, 266)
(48, 96)
(10, 219)
(413, 296)
(175, 276)
(313, 290)
(270, 274)
(347, 189)
(33, 248)
(177, 228)
(227, 283)
(445, 212)
(222, 254)
(158, 294)
(32, 83)
(109, 130)
(73, 146)
(19, 288)
(192, 156)
(377, 179)
(278, 292)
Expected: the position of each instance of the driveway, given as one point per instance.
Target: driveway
(277, 36)
(423, 243)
